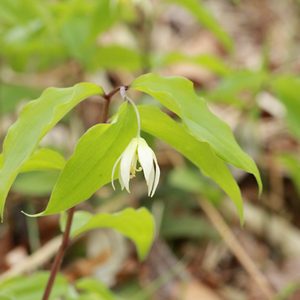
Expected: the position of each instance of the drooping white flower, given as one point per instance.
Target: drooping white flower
(138, 150)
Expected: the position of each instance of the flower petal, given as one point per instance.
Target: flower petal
(121, 180)
(151, 181)
(114, 169)
(146, 160)
(157, 174)
(127, 158)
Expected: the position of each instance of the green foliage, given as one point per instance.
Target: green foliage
(46, 34)
(40, 35)
(37, 118)
(200, 153)
(178, 95)
(94, 288)
(116, 58)
(209, 141)
(287, 88)
(211, 136)
(6, 297)
(32, 287)
(137, 225)
(38, 183)
(210, 62)
(28, 288)
(43, 159)
(90, 167)
(207, 20)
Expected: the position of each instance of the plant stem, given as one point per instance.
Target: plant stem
(60, 254)
(65, 242)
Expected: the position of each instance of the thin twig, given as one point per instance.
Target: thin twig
(236, 248)
(105, 110)
(114, 91)
(60, 254)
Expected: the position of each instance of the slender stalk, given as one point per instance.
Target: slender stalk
(66, 239)
(104, 116)
(60, 254)
(126, 98)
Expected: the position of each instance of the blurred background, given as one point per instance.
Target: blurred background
(243, 58)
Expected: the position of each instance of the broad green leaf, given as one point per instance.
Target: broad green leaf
(34, 122)
(94, 286)
(207, 20)
(6, 297)
(43, 159)
(90, 167)
(32, 287)
(287, 89)
(200, 153)
(137, 225)
(210, 62)
(178, 94)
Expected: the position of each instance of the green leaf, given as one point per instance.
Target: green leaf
(287, 90)
(32, 287)
(162, 126)
(210, 62)
(6, 297)
(207, 20)
(43, 159)
(34, 122)
(137, 225)
(90, 167)
(94, 286)
(178, 94)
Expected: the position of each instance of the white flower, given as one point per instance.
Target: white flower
(138, 150)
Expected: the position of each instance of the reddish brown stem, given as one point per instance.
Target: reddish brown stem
(59, 255)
